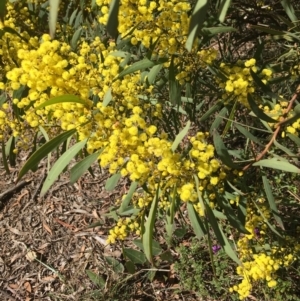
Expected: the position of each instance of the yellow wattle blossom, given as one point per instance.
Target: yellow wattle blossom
(239, 80)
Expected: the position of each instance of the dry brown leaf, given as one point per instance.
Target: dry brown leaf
(48, 278)
(15, 257)
(16, 231)
(43, 246)
(47, 228)
(13, 286)
(27, 286)
(116, 253)
(95, 214)
(101, 240)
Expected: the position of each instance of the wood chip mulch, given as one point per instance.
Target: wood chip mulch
(47, 244)
(55, 230)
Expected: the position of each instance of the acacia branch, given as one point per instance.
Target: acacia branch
(276, 132)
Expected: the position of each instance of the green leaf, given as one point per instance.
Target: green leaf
(199, 195)
(127, 199)
(259, 112)
(141, 65)
(277, 164)
(62, 99)
(2, 10)
(81, 167)
(156, 248)
(107, 98)
(53, 12)
(247, 134)
(11, 154)
(72, 18)
(180, 136)
(2, 99)
(231, 217)
(174, 86)
(135, 256)
(21, 92)
(212, 31)
(266, 220)
(287, 151)
(239, 192)
(130, 267)
(269, 30)
(4, 158)
(242, 210)
(218, 73)
(96, 279)
(120, 54)
(125, 62)
(75, 38)
(44, 133)
(151, 274)
(199, 16)
(222, 239)
(259, 50)
(112, 214)
(130, 211)
(180, 232)
(230, 119)
(153, 73)
(219, 215)
(289, 9)
(116, 266)
(216, 123)
(170, 213)
(8, 145)
(225, 4)
(78, 20)
(113, 22)
(271, 201)
(112, 182)
(196, 221)
(43, 151)
(211, 111)
(60, 164)
(294, 138)
(167, 256)
(222, 150)
(148, 228)
(266, 89)
(12, 31)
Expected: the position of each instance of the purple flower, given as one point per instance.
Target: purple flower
(257, 232)
(216, 248)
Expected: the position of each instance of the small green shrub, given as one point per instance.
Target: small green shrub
(195, 272)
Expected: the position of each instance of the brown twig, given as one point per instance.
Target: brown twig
(276, 132)
(13, 189)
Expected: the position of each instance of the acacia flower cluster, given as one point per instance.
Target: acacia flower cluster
(127, 129)
(239, 81)
(262, 263)
(277, 112)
